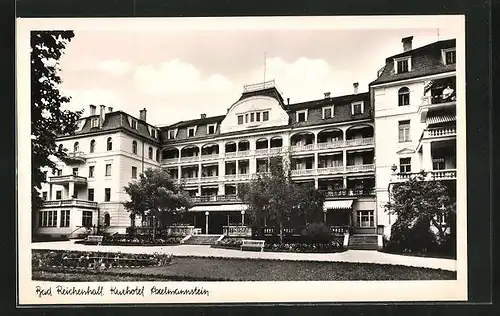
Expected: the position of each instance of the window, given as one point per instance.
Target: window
(150, 152)
(87, 218)
(59, 172)
(365, 219)
(240, 119)
(357, 108)
(48, 219)
(107, 195)
(191, 132)
(257, 117)
(44, 196)
(171, 134)
(76, 147)
(75, 171)
(404, 131)
(402, 65)
(403, 96)
(157, 155)
(302, 116)
(450, 56)
(94, 122)
(108, 170)
(90, 194)
(405, 165)
(246, 118)
(265, 116)
(438, 164)
(134, 172)
(91, 171)
(211, 129)
(251, 117)
(64, 218)
(107, 219)
(109, 144)
(134, 147)
(328, 112)
(58, 195)
(92, 146)
(134, 124)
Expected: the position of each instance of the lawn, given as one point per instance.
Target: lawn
(233, 269)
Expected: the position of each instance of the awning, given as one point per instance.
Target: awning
(338, 205)
(219, 208)
(440, 119)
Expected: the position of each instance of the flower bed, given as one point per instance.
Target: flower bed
(325, 247)
(127, 240)
(50, 259)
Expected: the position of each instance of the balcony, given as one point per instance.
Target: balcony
(360, 168)
(215, 198)
(303, 172)
(360, 142)
(433, 175)
(348, 192)
(440, 132)
(67, 179)
(330, 170)
(328, 145)
(298, 148)
(170, 161)
(209, 157)
(71, 202)
(75, 157)
(209, 179)
(190, 158)
(190, 180)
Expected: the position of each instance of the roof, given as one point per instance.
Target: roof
(269, 92)
(200, 121)
(329, 101)
(426, 60)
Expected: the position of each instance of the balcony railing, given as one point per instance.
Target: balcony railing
(170, 160)
(231, 154)
(348, 192)
(307, 147)
(440, 131)
(330, 170)
(190, 180)
(209, 179)
(243, 153)
(67, 179)
(237, 231)
(360, 168)
(275, 150)
(263, 151)
(327, 145)
(70, 202)
(215, 198)
(303, 172)
(259, 86)
(77, 156)
(190, 158)
(360, 142)
(209, 156)
(437, 99)
(448, 174)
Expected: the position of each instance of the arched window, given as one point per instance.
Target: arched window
(134, 147)
(76, 147)
(92, 145)
(150, 152)
(404, 96)
(107, 220)
(158, 155)
(109, 144)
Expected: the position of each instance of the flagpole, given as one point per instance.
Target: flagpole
(265, 58)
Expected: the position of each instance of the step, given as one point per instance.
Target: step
(203, 240)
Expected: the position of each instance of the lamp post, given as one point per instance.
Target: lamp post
(393, 168)
(242, 218)
(206, 223)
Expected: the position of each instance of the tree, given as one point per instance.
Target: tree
(48, 119)
(156, 194)
(419, 206)
(273, 195)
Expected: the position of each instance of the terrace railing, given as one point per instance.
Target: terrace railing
(237, 231)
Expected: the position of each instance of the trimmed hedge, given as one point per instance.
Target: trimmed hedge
(127, 240)
(50, 259)
(304, 247)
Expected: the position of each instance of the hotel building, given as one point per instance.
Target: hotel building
(331, 143)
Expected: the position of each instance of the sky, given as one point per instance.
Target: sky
(179, 74)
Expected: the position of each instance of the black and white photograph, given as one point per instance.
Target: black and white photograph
(242, 159)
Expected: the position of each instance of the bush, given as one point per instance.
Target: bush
(95, 260)
(307, 247)
(317, 233)
(124, 240)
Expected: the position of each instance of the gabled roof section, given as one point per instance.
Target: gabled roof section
(405, 151)
(269, 92)
(426, 60)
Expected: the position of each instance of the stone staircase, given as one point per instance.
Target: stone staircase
(363, 242)
(202, 240)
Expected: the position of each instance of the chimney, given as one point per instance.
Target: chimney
(355, 85)
(288, 101)
(327, 95)
(203, 116)
(92, 109)
(407, 43)
(101, 116)
(142, 114)
(110, 109)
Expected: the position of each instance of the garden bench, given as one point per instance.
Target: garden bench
(197, 231)
(94, 240)
(253, 244)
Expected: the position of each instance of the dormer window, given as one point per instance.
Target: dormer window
(134, 124)
(301, 116)
(171, 134)
(402, 65)
(328, 112)
(357, 108)
(191, 131)
(240, 119)
(449, 56)
(211, 128)
(94, 122)
(265, 116)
